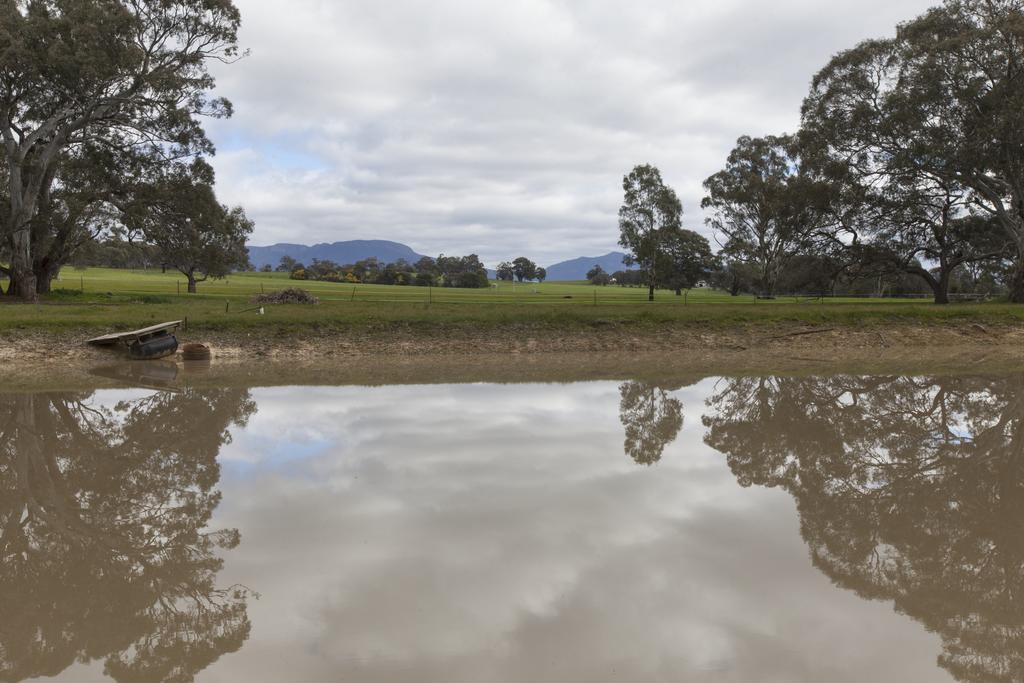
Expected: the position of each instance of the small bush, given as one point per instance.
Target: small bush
(61, 294)
(154, 299)
(292, 295)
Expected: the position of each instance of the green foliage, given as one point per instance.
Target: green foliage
(687, 259)
(650, 215)
(597, 276)
(67, 97)
(763, 205)
(935, 117)
(179, 215)
(524, 269)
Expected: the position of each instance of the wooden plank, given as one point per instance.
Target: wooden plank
(113, 338)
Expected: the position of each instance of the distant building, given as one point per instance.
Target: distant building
(703, 284)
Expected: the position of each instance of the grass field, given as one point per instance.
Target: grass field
(100, 298)
(138, 284)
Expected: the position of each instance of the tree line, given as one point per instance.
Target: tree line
(909, 162)
(100, 110)
(445, 271)
(521, 269)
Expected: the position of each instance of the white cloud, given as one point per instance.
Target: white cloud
(505, 127)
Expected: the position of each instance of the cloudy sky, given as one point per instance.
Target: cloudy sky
(504, 128)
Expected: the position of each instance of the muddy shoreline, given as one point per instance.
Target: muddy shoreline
(515, 354)
(401, 341)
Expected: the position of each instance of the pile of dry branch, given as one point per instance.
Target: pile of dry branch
(292, 295)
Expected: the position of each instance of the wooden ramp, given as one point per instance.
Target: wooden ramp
(134, 335)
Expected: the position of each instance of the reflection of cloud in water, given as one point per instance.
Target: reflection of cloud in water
(499, 533)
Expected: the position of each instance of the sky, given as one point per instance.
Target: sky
(505, 128)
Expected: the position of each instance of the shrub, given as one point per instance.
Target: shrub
(292, 295)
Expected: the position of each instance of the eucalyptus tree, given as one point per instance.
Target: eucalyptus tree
(940, 103)
(763, 207)
(687, 260)
(524, 269)
(650, 216)
(178, 213)
(905, 222)
(126, 74)
(78, 203)
(597, 276)
(505, 271)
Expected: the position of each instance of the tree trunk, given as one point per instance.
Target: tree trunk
(45, 274)
(941, 287)
(769, 279)
(23, 280)
(650, 292)
(191, 283)
(1016, 283)
(44, 283)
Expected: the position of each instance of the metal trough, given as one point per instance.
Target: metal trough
(156, 341)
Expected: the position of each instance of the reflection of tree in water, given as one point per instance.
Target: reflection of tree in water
(652, 418)
(908, 489)
(103, 547)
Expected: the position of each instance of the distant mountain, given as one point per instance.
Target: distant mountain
(577, 268)
(340, 252)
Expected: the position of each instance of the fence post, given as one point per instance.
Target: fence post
(178, 282)
(81, 283)
(227, 305)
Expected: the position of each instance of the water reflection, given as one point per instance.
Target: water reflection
(486, 532)
(908, 489)
(104, 551)
(652, 418)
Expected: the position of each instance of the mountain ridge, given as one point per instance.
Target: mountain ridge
(387, 251)
(344, 252)
(577, 268)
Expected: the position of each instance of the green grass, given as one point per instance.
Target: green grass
(101, 298)
(125, 285)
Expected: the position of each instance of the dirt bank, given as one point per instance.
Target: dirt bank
(749, 341)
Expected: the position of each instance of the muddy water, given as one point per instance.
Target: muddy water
(754, 528)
